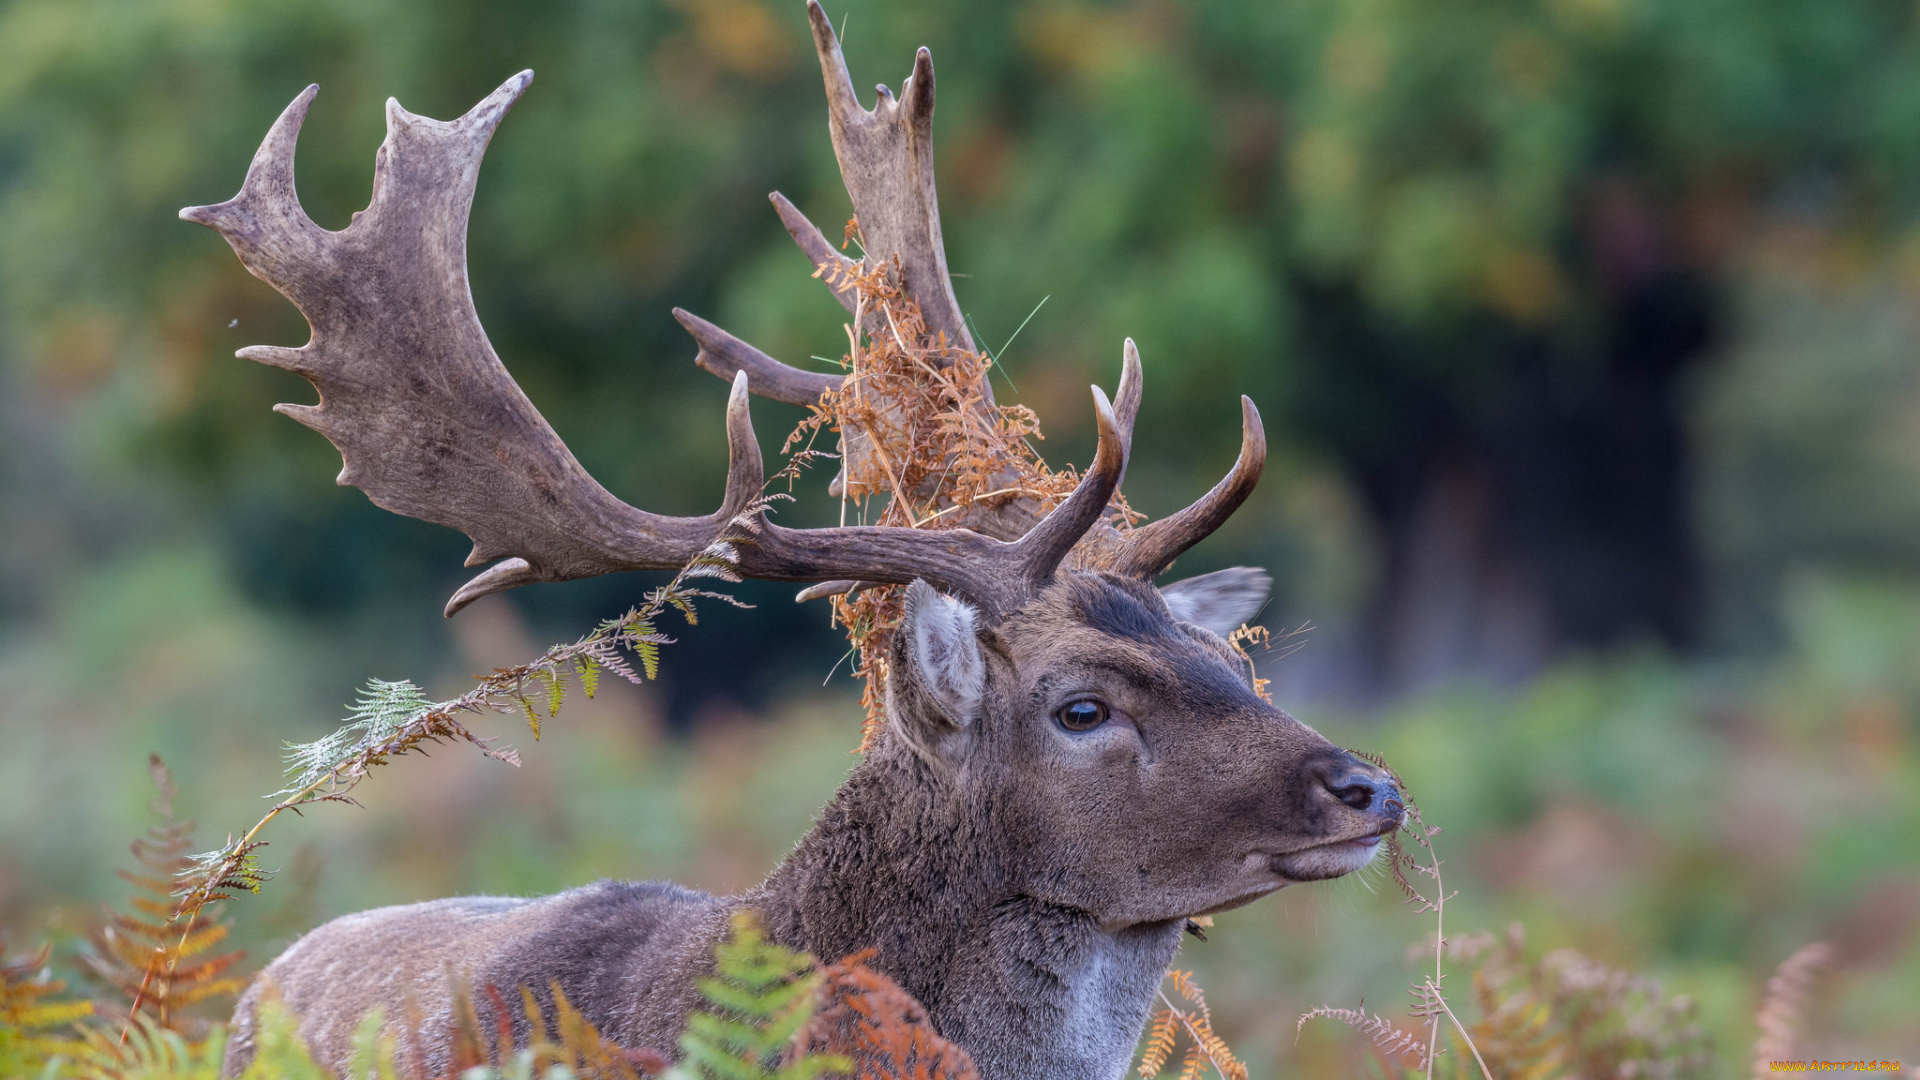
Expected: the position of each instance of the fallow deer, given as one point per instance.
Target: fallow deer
(1073, 762)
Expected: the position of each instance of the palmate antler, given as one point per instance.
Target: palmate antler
(430, 424)
(886, 162)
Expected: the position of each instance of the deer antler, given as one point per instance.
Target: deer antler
(426, 418)
(430, 424)
(1148, 550)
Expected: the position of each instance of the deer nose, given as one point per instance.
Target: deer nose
(1362, 789)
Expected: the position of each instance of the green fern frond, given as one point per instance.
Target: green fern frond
(588, 671)
(33, 1017)
(759, 998)
(645, 642)
(374, 1050)
(150, 1051)
(278, 1052)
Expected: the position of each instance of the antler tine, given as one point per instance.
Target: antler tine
(819, 250)
(886, 162)
(998, 576)
(427, 420)
(1151, 548)
(1126, 402)
(1047, 543)
(746, 475)
(265, 222)
(726, 355)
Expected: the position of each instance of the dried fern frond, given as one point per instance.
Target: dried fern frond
(1239, 640)
(1162, 1031)
(865, 1018)
(161, 965)
(562, 1044)
(1395, 1041)
(1205, 1049)
(1784, 1006)
(918, 424)
(1567, 1014)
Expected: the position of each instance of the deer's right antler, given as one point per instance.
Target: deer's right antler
(430, 424)
(427, 420)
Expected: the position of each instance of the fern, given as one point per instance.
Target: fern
(1560, 1015)
(34, 1017)
(1396, 1041)
(278, 1053)
(758, 1001)
(381, 712)
(374, 1049)
(1780, 1012)
(148, 1051)
(867, 1019)
(159, 964)
(587, 670)
(1194, 1019)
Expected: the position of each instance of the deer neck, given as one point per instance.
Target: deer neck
(1029, 988)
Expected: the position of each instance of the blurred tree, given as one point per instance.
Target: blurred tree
(1464, 253)
(1517, 223)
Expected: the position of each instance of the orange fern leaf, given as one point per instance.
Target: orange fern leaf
(161, 963)
(1205, 1049)
(868, 1019)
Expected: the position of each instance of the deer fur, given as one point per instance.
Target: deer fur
(1027, 883)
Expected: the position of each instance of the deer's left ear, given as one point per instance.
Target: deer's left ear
(1220, 601)
(939, 674)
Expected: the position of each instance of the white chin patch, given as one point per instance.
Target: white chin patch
(1327, 860)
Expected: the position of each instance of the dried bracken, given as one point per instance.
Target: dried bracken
(1429, 999)
(1566, 1013)
(1194, 1020)
(563, 1042)
(1395, 1041)
(1248, 635)
(160, 965)
(864, 1017)
(916, 419)
(1784, 1006)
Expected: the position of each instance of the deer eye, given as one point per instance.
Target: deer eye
(1082, 715)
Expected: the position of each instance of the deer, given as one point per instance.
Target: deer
(1073, 763)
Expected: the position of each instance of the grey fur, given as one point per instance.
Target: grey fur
(945, 654)
(1028, 884)
(1221, 601)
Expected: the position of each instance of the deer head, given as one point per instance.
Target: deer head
(1059, 729)
(1127, 751)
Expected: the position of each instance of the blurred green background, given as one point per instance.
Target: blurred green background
(1583, 330)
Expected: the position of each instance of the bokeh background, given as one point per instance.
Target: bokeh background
(1584, 331)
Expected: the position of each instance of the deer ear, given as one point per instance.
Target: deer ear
(1220, 601)
(942, 665)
